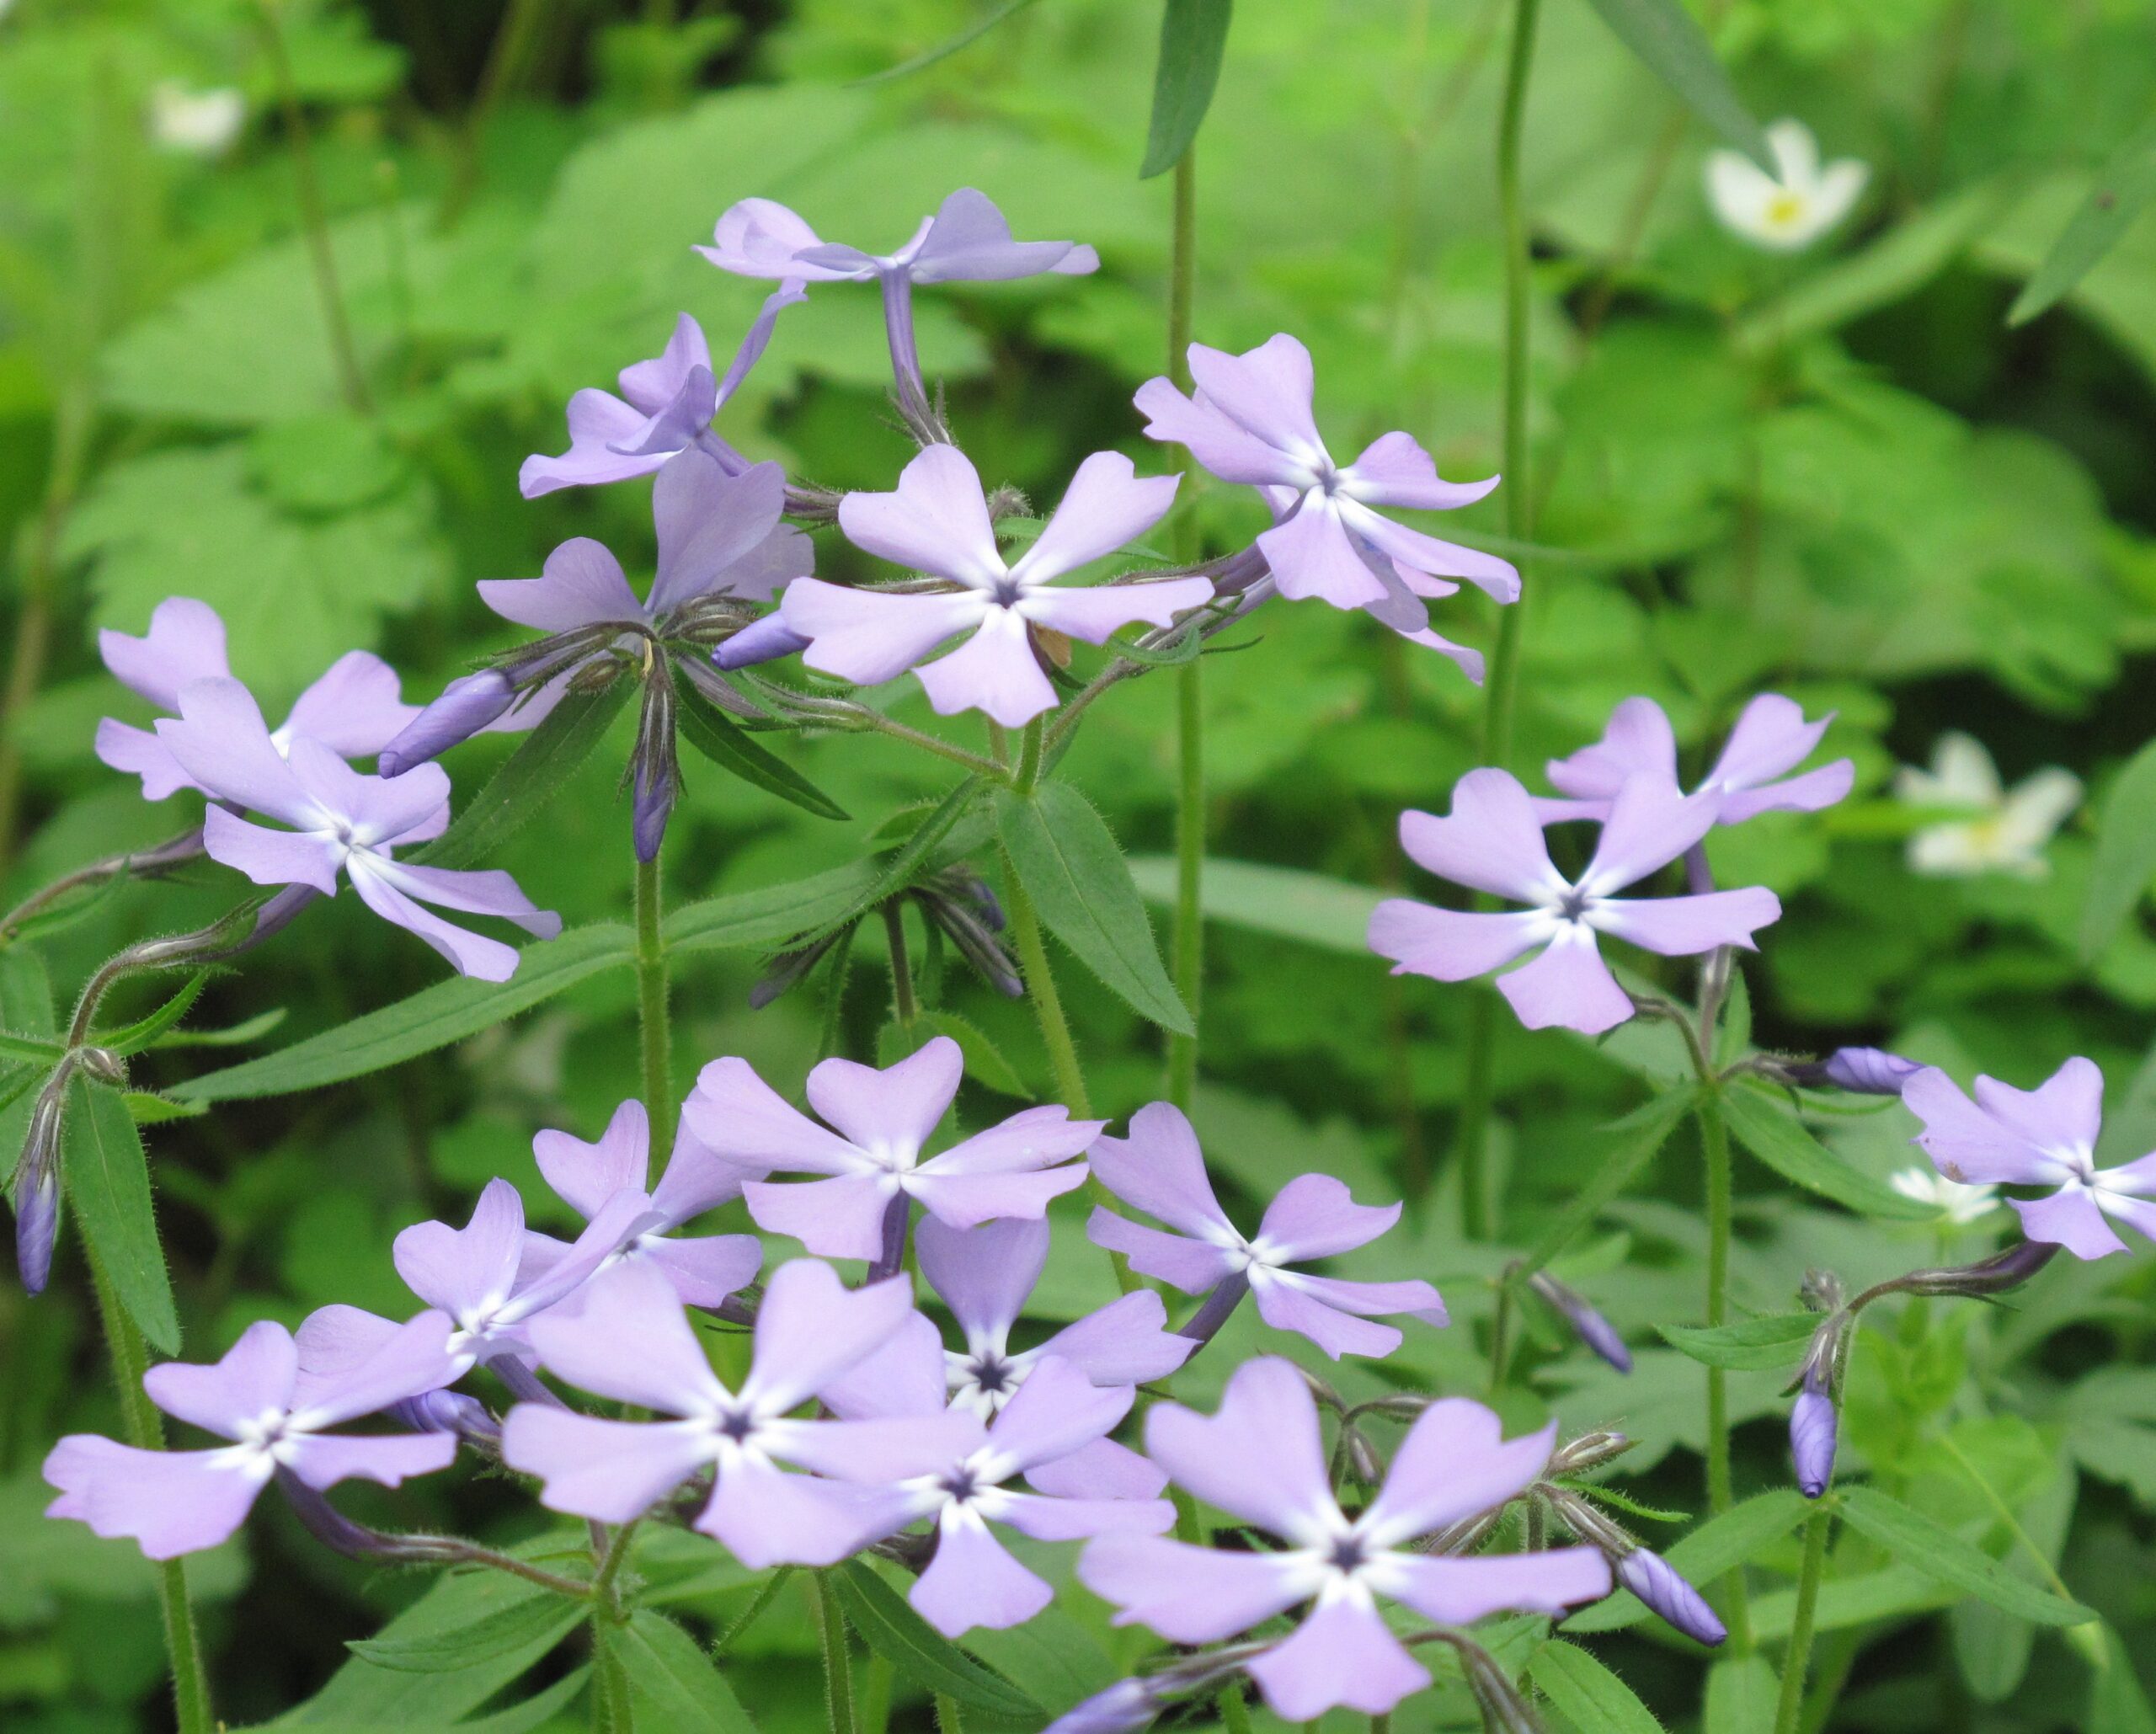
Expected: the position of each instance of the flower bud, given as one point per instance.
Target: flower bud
(103, 1064)
(1596, 1331)
(1813, 1429)
(1588, 1451)
(769, 639)
(1656, 1583)
(1868, 1071)
(466, 704)
(37, 1207)
(654, 804)
(1123, 1708)
(1996, 1275)
(448, 1411)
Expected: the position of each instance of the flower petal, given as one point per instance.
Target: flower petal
(1311, 554)
(1637, 742)
(580, 585)
(1260, 1456)
(1682, 926)
(995, 672)
(1057, 1409)
(1106, 505)
(626, 1338)
(897, 1108)
(1650, 824)
(597, 420)
(1344, 1654)
(223, 743)
(2067, 1109)
(1315, 1216)
(1453, 945)
(974, 1582)
(1455, 1463)
(1568, 986)
(1967, 1144)
(253, 1376)
(321, 1461)
(1495, 576)
(935, 520)
(740, 1119)
(709, 523)
(1491, 841)
(1220, 444)
(1289, 1306)
(613, 1470)
(868, 636)
(269, 857)
(983, 1274)
(705, 1269)
(185, 642)
(1809, 794)
(169, 1502)
(584, 1175)
(1393, 470)
(1094, 614)
(1189, 1595)
(1159, 1169)
(468, 1270)
(1125, 1343)
(1266, 391)
(1454, 1592)
(839, 1217)
(811, 1328)
(2070, 1218)
(356, 709)
(1191, 1266)
(903, 1377)
(469, 953)
(969, 242)
(1102, 1470)
(766, 1517)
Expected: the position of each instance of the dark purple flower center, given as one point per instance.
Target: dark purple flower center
(1572, 905)
(1347, 1555)
(737, 1427)
(993, 1375)
(961, 1484)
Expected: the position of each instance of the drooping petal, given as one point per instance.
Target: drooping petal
(1289, 1306)
(581, 585)
(974, 1582)
(1455, 1463)
(1344, 1654)
(1393, 470)
(584, 1175)
(897, 1108)
(1453, 945)
(1415, 1297)
(1125, 1343)
(1967, 1144)
(1107, 504)
(1190, 1265)
(1315, 1216)
(708, 522)
(1160, 1169)
(1260, 1456)
(598, 420)
(1568, 986)
(1638, 742)
(1220, 446)
(812, 1328)
(935, 520)
(322, 1460)
(1682, 926)
(1311, 554)
(253, 1376)
(613, 1470)
(627, 1338)
(840, 1218)
(167, 1503)
(741, 1120)
(354, 709)
(1495, 576)
(185, 642)
(995, 672)
(1454, 1592)
(1491, 841)
(869, 637)
(1189, 1595)
(269, 857)
(488, 892)
(2069, 1218)
(984, 1274)
(1094, 615)
(469, 953)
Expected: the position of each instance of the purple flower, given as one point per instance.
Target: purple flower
(340, 819)
(2041, 1137)
(1249, 420)
(937, 522)
(627, 1339)
(354, 709)
(1659, 1584)
(277, 1416)
(589, 1177)
(1058, 1413)
(667, 406)
(873, 1158)
(1868, 1071)
(1159, 1170)
(1262, 1460)
(1595, 1331)
(967, 241)
(334, 1340)
(984, 1275)
(1123, 1708)
(1771, 738)
(1492, 841)
(1813, 1428)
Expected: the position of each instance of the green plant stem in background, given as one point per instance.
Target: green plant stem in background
(1478, 1207)
(1234, 1709)
(1714, 1142)
(838, 1666)
(1189, 938)
(655, 1037)
(904, 1006)
(611, 1710)
(145, 1430)
(314, 214)
(1790, 1704)
(947, 1718)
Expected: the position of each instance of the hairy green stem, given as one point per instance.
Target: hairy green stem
(838, 1666)
(1478, 1207)
(1790, 1704)
(904, 1006)
(947, 1718)
(1234, 1709)
(144, 1429)
(612, 1710)
(1187, 941)
(765, 1596)
(655, 1038)
(1714, 1141)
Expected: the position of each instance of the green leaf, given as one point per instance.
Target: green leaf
(107, 1175)
(723, 741)
(2126, 854)
(239, 1035)
(1741, 1695)
(433, 1017)
(1193, 37)
(1673, 47)
(1917, 1540)
(26, 1005)
(768, 916)
(1749, 1346)
(2123, 189)
(147, 1107)
(134, 1038)
(950, 45)
(1054, 1658)
(899, 871)
(1331, 914)
(985, 1061)
(529, 778)
(891, 1628)
(1069, 863)
(1710, 1550)
(1593, 1698)
(1625, 1147)
(2117, 1703)
(668, 1667)
(1772, 1133)
(494, 1633)
(32, 1049)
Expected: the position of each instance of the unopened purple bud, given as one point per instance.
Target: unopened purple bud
(1868, 1071)
(765, 641)
(1124, 1707)
(1656, 1583)
(1593, 1330)
(1814, 1428)
(448, 1411)
(466, 704)
(1220, 1304)
(654, 804)
(37, 1222)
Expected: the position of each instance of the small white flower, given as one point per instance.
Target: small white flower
(1791, 208)
(1956, 1203)
(2006, 830)
(197, 122)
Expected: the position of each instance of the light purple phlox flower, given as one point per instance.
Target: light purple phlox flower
(628, 1340)
(967, 241)
(354, 709)
(1771, 738)
(277, 1416)
(873, 1159)
(1159, 1170)
(937, 521)
(1262, 1460)
(339, 821)
(1248, 419)
(2041, 1137)
(1492, 841)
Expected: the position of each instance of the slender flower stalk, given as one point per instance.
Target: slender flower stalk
(1188, 935)
(1714, 1141)
(1790, 1705)
(654, 1033)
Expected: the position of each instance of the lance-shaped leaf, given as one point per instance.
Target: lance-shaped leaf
(435, 1017)
(769, 916)
(493, 1632)
(133, 1038)
(1913, 1539)
(107, 1176)
(1594, 1699)
(1671, 45)
(728, 745)
(1193, 38)
(1331, 914)
(1772, 1133)
(899, 871)
(531, 776)
(888, 1625)
(2122, 191)
(1749, 1346)
(668, 1669)
(950, 45)
(1069, 863)
(26, 1007)
(1626, 1147)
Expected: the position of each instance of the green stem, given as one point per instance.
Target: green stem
(2004, 1512)
(1790, 1704)
(947, 1718)
(1234, 1709)
(1500, 1335)
(1478, 1208)
(838, 1666)
(1714, 1139)
(1187, 941)
(612, 1711)
(609, 1566)
(903, 1004)
(144, 1429)
(1027, 776)
(652, 1020)
(1025, 928)
(765, 1596)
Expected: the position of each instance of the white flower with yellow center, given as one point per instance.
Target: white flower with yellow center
(1958, 1205)
(195, 123)
(2005, 831)
(1788, 210)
